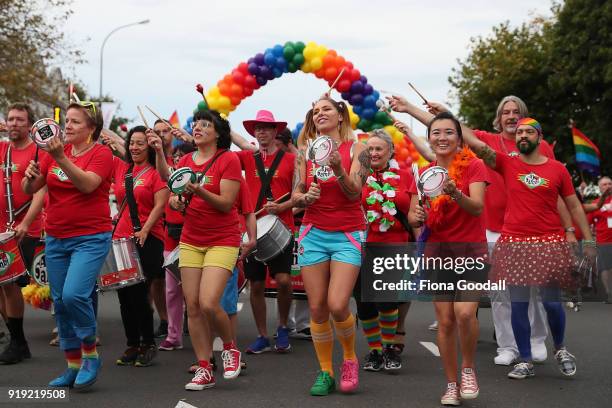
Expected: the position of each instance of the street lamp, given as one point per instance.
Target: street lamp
(104, 43)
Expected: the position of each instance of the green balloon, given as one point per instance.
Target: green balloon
(202, 106)
(298, 60)
(364, 124)
(377, 126)
(289, 44)
(299, 47)
(288, 52)
(291, 67)
(380, 117)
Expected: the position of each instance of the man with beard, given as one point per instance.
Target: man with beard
(269, 175)
(16, 154)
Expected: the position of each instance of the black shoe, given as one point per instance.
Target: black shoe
(392, 359)
(213, 363)
(302, 334)
(162, 330)
(146, 355)
(15, 353)
(129, 356)
(374, 361)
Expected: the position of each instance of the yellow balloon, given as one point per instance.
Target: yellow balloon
(390, 130)
(310, 51)
(213, 92)
(316, 63)
(213, 102)
(353, 117)
(321, 51)
(306, 67)
(224, 103)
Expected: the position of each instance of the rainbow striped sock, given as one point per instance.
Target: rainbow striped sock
(371, 329)
(388, 325)
(88, 346)
(73, 358)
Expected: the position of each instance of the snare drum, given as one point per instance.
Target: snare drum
(11, 262)
(272, 237)
(432, 180)
(38, 272)
(171, 262)
(321, 149)
(179, 179)
(43, 130)
(122, 266)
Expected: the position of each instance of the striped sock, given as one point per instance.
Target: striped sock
(388, 325)
(345, 331)
(323, 341)
(88, 346)
(73, 358)
(371, 329)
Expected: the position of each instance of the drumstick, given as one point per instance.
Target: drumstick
(159, 117)
(382, 107)
(142, 117)
(76, 97)
(275, 201)
(335, 81)
(415, 175)
(200, 89)
(418, 93)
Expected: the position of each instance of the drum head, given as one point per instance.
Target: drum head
(432, 180)
(5, 236)
(265, 224)
(179, 179)
(172, 257)
(43, 130)
(320, 150)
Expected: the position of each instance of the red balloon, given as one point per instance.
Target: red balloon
(235, 100)
(339, 62)
(344, 85)
(238, 77)
(355, 75)
(330, 74)
(250, 82)
(236, 90)
(244, 68)
(247, 91)
(349, 65)
(320, 73)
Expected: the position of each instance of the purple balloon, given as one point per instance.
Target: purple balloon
(346, 96)
(356, 99)
(368, 89)
(259, 59)
(363, 79)
(254, 69)
(250, 60)
(264, 71)
(356, 87)
(261, 80)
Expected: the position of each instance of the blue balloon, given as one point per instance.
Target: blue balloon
(278, 50)
(345, 95)
(356, 87)
(259, 59)
(280, 63)
(376, 95)
(368, 89)
(261, 80)
(253, 69)
(369, 102)
(358, 109)
(269, 59)
(277, 72)
(368, 113)
(356, 100)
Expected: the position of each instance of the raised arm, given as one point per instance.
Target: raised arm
(155, 141)
(241, 142)
(401, 104)
(419, 143)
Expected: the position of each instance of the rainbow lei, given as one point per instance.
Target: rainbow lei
(439, 205)
(379, 201)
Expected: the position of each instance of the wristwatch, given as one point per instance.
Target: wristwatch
(570, 229)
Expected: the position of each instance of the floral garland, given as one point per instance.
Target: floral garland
(380, 206)
(439, 205)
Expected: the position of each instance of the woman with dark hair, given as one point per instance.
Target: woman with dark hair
(454, 228)
(139, 178)
(329, 242)
(78, 225)
(209, 242)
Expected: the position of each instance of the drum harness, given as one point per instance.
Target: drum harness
(8, 193)
(130, 200)
(266, 176)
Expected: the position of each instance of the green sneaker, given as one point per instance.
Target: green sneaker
(323, 385)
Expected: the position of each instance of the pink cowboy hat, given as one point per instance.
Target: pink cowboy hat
(263, 116)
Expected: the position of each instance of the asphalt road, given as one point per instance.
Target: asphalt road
(274, 380)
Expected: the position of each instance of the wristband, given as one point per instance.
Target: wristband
(570, 229)
(589, 242)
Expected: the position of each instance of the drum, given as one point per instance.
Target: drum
(122, 266)
(432, 180)
(171, 262)
(43, 130)
(272, 237)
(321, 149)
(11, 262)
(38, 271)
(179, 179)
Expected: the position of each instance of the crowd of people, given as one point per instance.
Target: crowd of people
(504, 188)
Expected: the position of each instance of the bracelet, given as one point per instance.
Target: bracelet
(589, 242)
(570, 229)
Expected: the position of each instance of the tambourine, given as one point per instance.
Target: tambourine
(320, 150)
(43, 130)
(180, 178)
(432, 180)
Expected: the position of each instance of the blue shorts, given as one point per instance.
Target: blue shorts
(229, 300)
(316, 246)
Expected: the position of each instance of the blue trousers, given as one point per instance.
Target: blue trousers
(73, 265)
(555, 314)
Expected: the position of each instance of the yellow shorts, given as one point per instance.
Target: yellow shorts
(191, 256)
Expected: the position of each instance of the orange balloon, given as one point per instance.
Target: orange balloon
(224, 88)
(329, 61)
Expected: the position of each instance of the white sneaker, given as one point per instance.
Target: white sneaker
(505, 358)
(539, 353)
(433, 326)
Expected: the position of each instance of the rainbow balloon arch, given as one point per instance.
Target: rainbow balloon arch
(325, 64)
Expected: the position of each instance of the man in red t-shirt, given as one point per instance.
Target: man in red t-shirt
(25, 222)
(278, 167)
(601, 213)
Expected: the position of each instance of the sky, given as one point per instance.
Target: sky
(189, 42)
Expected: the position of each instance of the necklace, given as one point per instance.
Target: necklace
(381, 192)
(77, 154)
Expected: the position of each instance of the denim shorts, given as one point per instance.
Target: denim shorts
(316, 246)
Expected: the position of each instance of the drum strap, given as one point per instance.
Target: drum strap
(266, 177)
(8, 191)
(401, 217)
(126, 199)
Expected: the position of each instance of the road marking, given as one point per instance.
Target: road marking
(433, 349)
(183, 404)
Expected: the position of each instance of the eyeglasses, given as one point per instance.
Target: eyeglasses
(204, 124)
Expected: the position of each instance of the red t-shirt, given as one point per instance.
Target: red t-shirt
(602, 219)
(535, 190)
(397, 232)
(244, 205)
(71, 213)
(204, 225)
(281, 182)
(171, 216)
(495, 199)
(145, 186)
(458, 225)
(20, 159)
(333, 211)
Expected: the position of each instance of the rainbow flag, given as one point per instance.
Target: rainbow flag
(587, 153)
(174, 120)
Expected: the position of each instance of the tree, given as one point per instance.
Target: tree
(30, 43)
(560, 66)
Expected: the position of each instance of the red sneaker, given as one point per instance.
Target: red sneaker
(231, 363)
(203, 379)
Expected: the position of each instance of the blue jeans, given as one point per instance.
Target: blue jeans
(73, 265)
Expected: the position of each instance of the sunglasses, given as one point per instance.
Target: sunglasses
(204, 124)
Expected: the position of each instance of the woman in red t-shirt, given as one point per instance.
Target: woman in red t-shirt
(329, 242)
(210, 242)
(386, 199)
(454, 227)
(150, 195)
(78, 226)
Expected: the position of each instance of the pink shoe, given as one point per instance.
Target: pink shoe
(469, 386)
(349, 376)
(169, 346)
